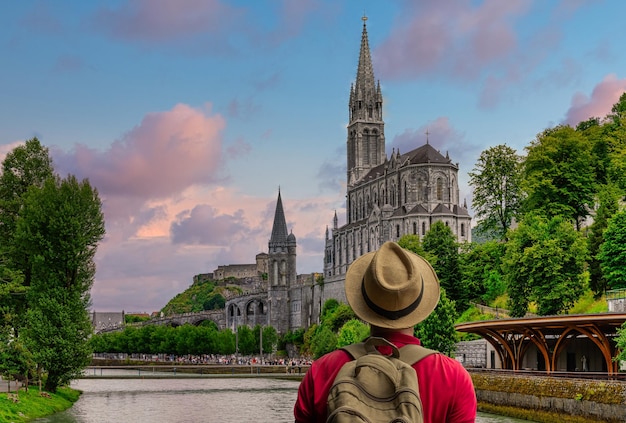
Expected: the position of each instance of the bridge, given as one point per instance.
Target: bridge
(249, 309)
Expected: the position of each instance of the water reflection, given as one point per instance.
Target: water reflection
(203, 400)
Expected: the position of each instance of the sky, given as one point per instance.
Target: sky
(188, 116)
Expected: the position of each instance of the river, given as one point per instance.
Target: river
(198, 400)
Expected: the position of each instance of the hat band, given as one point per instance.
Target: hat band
(392, 315)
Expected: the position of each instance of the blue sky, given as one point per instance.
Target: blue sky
(188, 115)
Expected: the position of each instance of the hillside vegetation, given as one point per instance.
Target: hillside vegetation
(201, 295)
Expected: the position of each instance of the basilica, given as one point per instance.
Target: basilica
(387, 197)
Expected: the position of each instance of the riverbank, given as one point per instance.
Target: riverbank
(24, 406)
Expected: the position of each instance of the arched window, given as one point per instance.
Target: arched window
(462, 229)
(366, 147)
(439, 189)
(397, 231)
(406, 193)
(420, 189)
(423, 228)
(414, 228)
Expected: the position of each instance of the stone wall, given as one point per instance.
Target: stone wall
(591, 400)
(472, 353)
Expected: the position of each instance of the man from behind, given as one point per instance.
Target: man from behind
(393, 289)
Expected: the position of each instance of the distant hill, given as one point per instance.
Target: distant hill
(202, 295)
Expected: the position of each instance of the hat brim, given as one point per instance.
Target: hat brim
(430, 296)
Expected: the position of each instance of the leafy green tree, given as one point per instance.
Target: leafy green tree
(441, 243)
(335, 320)
(246, 341)
(544, 262)
(558, 176)
(25, 166)
(608, 206)
(323, 341)
(58, 229)
(496, 180)
(481, 270)
(612, 254)
(270, 338)
(16, 360)
(226, 342)
(412, 243)
(437, 330)
(351, 332)
(11, 288)
(215, 302)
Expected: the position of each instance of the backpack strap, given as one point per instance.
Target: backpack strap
(410, 353)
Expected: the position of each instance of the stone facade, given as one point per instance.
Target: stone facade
(285, 300)
(387, 197)
(106, 321)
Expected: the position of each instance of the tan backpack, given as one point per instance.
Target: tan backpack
(377, 388)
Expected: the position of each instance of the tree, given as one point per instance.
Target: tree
(270, 338)
(481, 270)
(544, 262)
(58, 229)
(608, 206)
(351, 332)
(497, 193)
(323, 341)
(612, 254)
(437, 330)
(558, 176)
(246, 342)
(441, 243)
(25, 166)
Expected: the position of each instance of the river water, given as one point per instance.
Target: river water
(197, 400)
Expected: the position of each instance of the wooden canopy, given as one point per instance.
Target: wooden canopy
(550, 334)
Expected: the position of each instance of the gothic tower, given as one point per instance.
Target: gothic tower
(282, 270)
(366, 132)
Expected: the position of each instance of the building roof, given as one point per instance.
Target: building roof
(550, 334)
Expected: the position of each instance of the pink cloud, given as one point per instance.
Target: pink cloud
(166, 153)
(207, 229)
(603, 96)
(155, 21)
(455, 37)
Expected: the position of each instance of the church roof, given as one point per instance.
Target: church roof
(425, 154)
(419, 209)
(460, 211)
(441, 209)
(421, 155)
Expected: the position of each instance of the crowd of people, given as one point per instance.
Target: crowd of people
(292, 365)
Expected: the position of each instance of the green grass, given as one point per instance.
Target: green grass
(587, 304)
(32, 405)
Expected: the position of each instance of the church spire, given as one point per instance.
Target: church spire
(365, 82)
(366, 136)
(279, 230)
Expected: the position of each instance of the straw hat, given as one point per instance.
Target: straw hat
(392, 287)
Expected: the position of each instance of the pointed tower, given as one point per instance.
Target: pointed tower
(282, 270)
(366, 132)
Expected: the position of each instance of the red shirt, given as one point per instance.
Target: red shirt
(446, 388)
